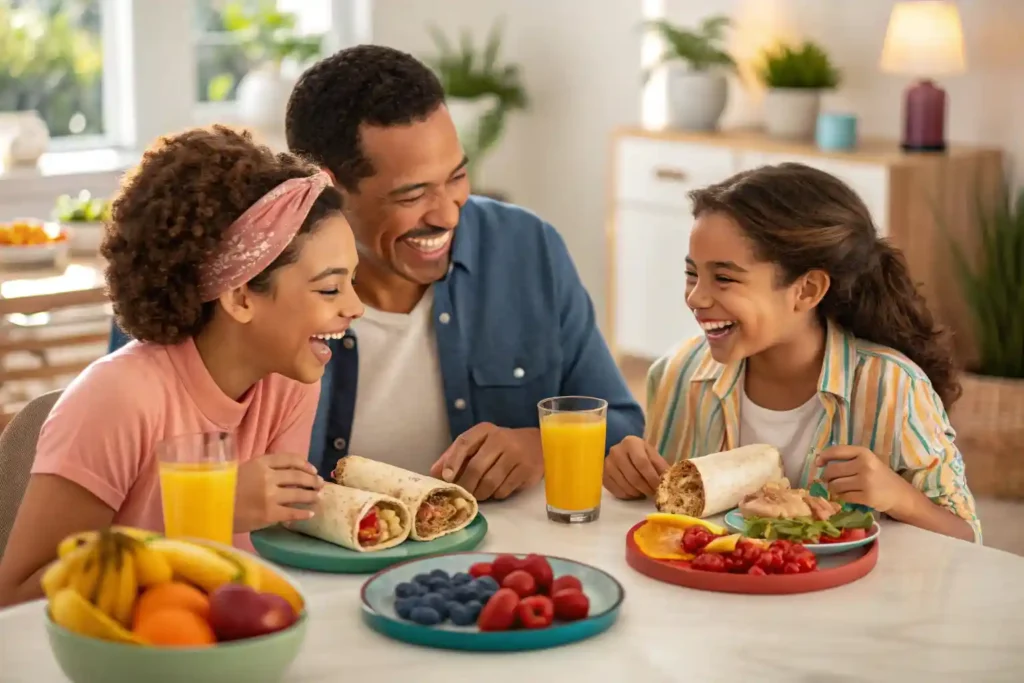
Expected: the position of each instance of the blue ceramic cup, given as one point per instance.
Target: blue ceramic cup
(836, 132)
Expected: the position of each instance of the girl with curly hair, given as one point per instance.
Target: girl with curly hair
(816, 341)
(229, 265)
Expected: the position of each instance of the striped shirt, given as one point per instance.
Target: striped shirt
(874, 397)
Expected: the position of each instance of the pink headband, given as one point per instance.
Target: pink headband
(260, 235)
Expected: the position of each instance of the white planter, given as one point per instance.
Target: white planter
(85, 237)
(791, 113)
(263, 100)
(466, 114)
(24, 136)
(696, 99)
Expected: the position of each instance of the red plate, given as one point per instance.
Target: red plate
(843, 569)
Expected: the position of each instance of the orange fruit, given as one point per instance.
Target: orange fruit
(172, 594)
(174, 626)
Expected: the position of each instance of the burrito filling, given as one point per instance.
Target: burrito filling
(379, 525)
(441, 510)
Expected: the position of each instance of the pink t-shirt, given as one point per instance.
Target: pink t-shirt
(102, 432)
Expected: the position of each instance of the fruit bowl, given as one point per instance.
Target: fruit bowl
(127, 605)
(255, 660)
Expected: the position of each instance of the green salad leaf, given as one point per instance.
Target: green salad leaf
(806, 529)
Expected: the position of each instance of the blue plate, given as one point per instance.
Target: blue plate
(293, 549)
(605, 593)
(734, 520)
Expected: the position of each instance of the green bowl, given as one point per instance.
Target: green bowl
(255, 660)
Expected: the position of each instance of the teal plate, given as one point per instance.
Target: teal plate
(734, 520)
(605, 593)
(293, 549)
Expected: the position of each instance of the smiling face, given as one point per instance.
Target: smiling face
(404, 215)
(741, 302)
(310, 300)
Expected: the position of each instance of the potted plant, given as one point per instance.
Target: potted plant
(480, 92)
(271, 42)
(989, 418)
(795, 77)
(85, 216)
(698, 89)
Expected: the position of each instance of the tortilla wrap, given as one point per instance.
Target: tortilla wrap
(337, 514)
(711, 484)
(438, 508)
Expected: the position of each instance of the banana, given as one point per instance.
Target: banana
(127, 590)
(252, 570)
(70, 610)
(107, 594)
(76, 541)
(198, 565)
(85, 577)
(143, 535)
(56, 576)
(151, 567)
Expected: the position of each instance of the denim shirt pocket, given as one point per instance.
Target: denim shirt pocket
(508, 384)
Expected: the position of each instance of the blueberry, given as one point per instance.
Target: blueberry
(488, 583)
(441, 574)
(405, 606)
(437, 602)
(436, 583)
(464, 594)
(461, 615)
(422, 579)
(461, 578)
(447, 593)
(428, 616)
(474, 606)
(407, 590)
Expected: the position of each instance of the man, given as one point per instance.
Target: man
(474, 309)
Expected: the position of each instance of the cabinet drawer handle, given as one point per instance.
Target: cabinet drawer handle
(674, 175)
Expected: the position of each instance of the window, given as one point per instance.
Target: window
(236, 36)
(51, 55)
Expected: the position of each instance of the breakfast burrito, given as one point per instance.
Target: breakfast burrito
(438, 508)
(711, 484)
(358, 520)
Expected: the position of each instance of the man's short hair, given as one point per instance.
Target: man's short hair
(365, 84)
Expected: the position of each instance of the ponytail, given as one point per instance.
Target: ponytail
(884, 306)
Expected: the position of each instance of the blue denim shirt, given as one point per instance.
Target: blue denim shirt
(514, 325)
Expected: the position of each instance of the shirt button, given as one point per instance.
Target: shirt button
(444, 318)
(519, 373)
(460, 404)
(348, 343)
(339, 444)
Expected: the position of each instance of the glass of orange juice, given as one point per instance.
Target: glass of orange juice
(198, 475)
(572, 433)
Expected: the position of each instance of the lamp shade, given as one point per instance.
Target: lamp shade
(924, 39)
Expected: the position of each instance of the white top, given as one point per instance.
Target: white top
(934, 609)
(400, 416)
(791, 431)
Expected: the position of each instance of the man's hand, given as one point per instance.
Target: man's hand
(271, 487)
(858, 476)
(633, 469)
(491, 461)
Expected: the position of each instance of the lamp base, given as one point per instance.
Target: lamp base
(924, 118)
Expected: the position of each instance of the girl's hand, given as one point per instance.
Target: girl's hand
(633, 469)
(271, 487)
(856, 475)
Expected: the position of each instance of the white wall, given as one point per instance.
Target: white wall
(581, 62)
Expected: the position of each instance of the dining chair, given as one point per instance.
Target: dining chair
(17, 451)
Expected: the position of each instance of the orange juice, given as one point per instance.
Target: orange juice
(199, 499)
(573, 446)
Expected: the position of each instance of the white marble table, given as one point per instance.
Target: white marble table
(934, 609)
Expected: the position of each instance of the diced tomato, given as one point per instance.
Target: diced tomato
(695, 538)
(791, 568)
(855, 534)
(807, 562)
(756, 571)
(710, 562)
(370, 520)
(771, 561)
(751, 552)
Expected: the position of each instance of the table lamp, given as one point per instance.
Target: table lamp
(924, 39)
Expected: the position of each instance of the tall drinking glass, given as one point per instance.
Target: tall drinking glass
(572, 432)
(198, 476)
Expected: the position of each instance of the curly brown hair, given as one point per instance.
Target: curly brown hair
(168, 218)
(804, 219)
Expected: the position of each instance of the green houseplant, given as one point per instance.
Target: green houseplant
(795, 76)
(698, 65)
(989, 418)
(85, 216)
(479, 89)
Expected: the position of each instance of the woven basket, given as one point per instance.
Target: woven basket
(989, 423)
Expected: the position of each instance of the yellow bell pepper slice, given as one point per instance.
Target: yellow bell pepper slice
(683, 522)
(660, 541)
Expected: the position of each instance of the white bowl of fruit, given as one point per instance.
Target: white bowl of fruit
(127, 605)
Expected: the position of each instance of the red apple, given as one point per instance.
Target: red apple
(238, 612)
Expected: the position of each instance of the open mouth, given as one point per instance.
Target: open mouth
(318, 345)
(432, 245)
(718, 329)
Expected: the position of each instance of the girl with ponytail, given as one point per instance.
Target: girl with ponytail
(816, 341)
